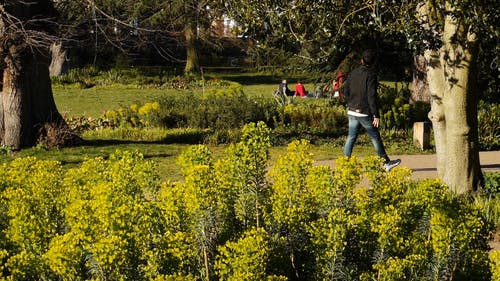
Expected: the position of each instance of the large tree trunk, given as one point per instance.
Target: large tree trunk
(454, 108)
(28, 105)
(420, 86)
(12, 105)
(192, 63)
(28, 111)
(437, 114)
(58, 59)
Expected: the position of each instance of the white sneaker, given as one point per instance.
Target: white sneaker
(391, 164)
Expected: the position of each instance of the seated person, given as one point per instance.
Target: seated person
(283, 88)
(300, 90)
(337, 84)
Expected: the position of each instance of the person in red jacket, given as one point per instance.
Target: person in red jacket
(300, 90)
(337, 84)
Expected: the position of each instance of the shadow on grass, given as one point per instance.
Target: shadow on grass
(257, 79)
(105, 148)
(76, 162)
(251, 79)
(169, 140)
(103, 143)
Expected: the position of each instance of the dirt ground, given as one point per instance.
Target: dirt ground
(495, 243)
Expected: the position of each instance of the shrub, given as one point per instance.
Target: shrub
(135, 116)
(489, 126)
(316, 116)
(182, 135)
(492, 183)
(81, 76)
(220, 113)
(82, 124)
(218, 110)
(489, 198)
(142, 77)
(491, 206)
(396, 111)
(111, 219)
(31, 215)
(495, 265)
(222, 109)
(245, 259)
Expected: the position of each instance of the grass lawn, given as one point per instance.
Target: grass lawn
(91, 102)
(73, 101)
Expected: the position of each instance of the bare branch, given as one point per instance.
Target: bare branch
(131, 26)
(16, 32)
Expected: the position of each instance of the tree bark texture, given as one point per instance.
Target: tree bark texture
(27, 100)
(454, 107)
(436, 115)
(420, 86)
(192, 62)
(58, 59)
(27, 104)
(12, 107)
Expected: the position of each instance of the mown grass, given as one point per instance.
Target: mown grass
(92, 102)
(74, 101)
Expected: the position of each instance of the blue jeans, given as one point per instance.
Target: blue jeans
(355, 124)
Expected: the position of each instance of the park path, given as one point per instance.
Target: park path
(424, 166)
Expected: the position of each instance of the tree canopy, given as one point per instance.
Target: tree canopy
(331, 27)
(175, 30)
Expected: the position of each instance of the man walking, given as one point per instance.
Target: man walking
(360, 90)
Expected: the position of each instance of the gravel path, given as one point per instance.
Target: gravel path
(424, 166)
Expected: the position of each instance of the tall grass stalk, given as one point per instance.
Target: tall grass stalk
(491, 206)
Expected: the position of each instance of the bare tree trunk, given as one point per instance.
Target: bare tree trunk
(12, 109)
(58, 59)
(463, 172)
(192, 62)
(436, 115)
(29, 109)
(420, 86)
(454, 108)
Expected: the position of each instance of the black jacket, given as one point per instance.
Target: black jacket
(283, 89)
(360, 91)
